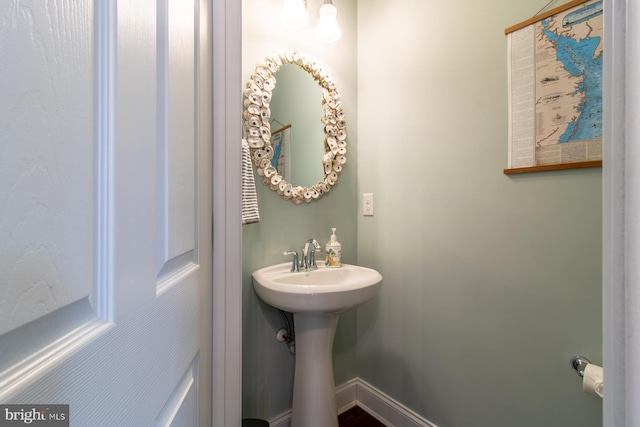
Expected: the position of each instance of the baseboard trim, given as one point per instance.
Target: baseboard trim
(347, 395)
(380, 406)
(387, 410)
(282, 420)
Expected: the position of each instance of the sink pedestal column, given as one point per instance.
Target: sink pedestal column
(314, 389)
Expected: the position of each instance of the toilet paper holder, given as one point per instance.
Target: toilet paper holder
(579, 363)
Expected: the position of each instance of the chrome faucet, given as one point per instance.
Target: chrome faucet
(309, 257)
(295, 265)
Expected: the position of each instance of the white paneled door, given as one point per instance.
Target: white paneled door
(105, 209)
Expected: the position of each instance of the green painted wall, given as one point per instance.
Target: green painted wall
(491, 283)
(267, 365)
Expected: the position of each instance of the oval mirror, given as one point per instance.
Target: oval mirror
(284, 153)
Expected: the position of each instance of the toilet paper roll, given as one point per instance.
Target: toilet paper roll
(254, 121)
(255, 142)
(255, 98)
(271, 65)
(269, 84)
(264, 163)
(254, 110)
(265, 133)
(263, 72)
(275, 180)
(592, 382)
(254, 87)
(265, 113)
(258, 154)
(258, 80)
(276, 58)
(266, 97)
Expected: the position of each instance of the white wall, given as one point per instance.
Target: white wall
(621, 203)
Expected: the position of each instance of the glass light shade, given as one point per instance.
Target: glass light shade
(294, 14)
(327, 30)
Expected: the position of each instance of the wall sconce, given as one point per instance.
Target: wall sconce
(294, 15)
(327, 30)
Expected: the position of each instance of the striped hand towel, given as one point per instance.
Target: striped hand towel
(250, 213)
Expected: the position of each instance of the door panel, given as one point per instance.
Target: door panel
(105, 209)
(46, 185)
(181, 409)
(133, 179)
(177, 95)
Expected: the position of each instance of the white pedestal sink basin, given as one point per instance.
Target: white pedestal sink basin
(316, 298)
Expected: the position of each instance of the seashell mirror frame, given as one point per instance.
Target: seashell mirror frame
(257, 116)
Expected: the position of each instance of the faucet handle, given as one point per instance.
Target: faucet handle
(309, 257)
(312, 259)
(294, 266)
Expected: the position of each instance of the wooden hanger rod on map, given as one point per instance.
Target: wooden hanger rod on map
(544, 15)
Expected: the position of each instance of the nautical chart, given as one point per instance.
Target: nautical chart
(555, 87)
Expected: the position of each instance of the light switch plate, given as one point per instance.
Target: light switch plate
(367, 204)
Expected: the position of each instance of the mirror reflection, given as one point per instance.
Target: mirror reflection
(297, 132)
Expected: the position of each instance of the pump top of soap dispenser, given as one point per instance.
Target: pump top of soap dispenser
(333, 237)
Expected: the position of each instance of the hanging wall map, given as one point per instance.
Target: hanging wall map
(555, 89)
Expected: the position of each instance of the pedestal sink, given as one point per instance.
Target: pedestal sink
(316, 298)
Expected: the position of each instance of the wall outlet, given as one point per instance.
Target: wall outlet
(367, 204)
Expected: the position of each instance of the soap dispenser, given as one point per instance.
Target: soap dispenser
(333, 250)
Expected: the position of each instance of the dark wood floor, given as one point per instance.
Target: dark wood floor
(356, 417)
